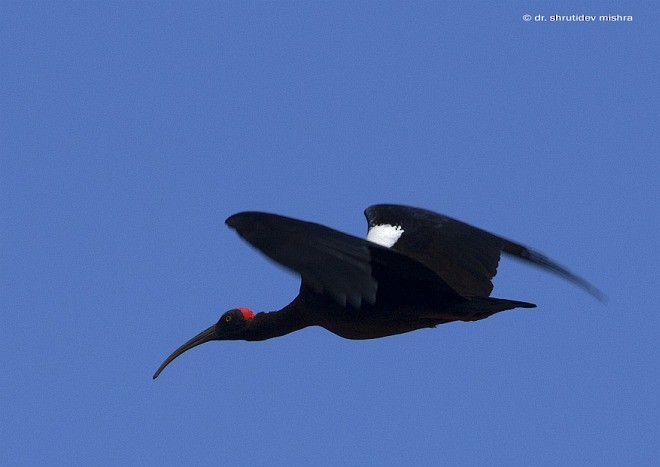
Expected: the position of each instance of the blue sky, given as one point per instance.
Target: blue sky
(131, 130)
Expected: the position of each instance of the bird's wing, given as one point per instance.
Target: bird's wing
(464, 256)
(329, 261)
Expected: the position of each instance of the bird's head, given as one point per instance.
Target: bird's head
(230, 326)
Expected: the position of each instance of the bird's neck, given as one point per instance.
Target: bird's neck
(275, 323)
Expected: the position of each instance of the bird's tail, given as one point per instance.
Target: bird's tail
(477, 308)
(483, 307)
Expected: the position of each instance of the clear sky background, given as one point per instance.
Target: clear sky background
(131, 130)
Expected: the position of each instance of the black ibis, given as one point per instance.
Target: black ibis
(416, 269)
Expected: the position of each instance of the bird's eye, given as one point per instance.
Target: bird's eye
(228, 318)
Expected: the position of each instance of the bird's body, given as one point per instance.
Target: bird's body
(416, 269)
(397, 315)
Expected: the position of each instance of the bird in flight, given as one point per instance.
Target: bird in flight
(416, 269)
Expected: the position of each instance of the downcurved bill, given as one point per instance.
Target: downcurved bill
(204, 336)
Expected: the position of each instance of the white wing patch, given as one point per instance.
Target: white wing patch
(385, 234)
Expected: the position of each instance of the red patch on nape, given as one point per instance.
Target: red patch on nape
(247, 313)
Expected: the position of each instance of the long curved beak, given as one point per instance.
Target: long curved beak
(204, 336)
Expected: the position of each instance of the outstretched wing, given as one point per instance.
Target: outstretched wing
(464, 256)
(330, 261)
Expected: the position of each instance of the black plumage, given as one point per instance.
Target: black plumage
(428, 269)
